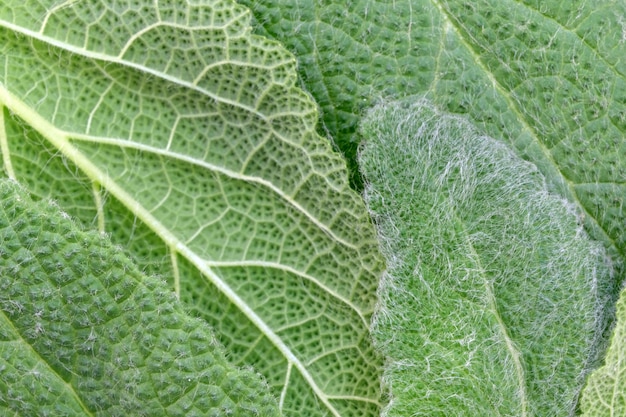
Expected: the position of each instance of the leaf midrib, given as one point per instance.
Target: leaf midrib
(61, 141)
(514, 352)
(522, 120)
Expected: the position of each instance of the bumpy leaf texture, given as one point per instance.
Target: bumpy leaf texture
(605, 392)
(84, 333)
(492, 303)
(172, 128)
(547, 77)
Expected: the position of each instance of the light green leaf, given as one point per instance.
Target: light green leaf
(548, 77)
(605, 392)
(492, 304)
(172, 128)
(83, 332)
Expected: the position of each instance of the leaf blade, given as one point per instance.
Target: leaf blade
(224, 174)
(488, 271)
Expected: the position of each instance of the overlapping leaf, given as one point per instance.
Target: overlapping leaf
(548, 77)
(493, 303)
(83, 332)
(174, 130)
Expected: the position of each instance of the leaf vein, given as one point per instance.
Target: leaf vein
(291, 270)
(229, 173)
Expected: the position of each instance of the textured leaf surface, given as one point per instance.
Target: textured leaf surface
(491, 304)
(605, 392)
(171, 127)
(546, 76)
(84, 332)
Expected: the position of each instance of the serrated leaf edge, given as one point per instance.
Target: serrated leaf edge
(60, 139)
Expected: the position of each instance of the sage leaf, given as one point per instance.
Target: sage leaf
(172, 128)
(83, 332)
(492, 304)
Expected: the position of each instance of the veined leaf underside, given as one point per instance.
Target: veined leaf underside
(182, 136)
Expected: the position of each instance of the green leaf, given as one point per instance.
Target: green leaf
(493, 302)
(83, 332)
(605, 392)
(172, 128)
(547, 77)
